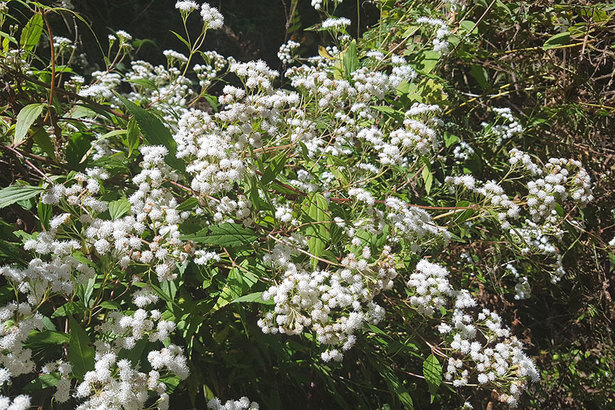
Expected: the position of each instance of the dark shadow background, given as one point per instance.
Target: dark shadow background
(253, 29)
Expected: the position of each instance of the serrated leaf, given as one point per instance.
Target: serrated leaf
(25, 119)
(80, 353)
(432, 370)
(155, 133)
(224, 235)
(119, 208)
(16, 193)
(31, 33)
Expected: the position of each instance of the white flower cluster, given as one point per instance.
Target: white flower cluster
(333, 304)
(21, 402)
(317, 4)
(103, 87)
(255, 74)
(164, 87)
(336, 23)
(63, 385)
(492, 192)
(241, 404)
(442, 31)
(208, 72)
(115, 384)
(212, 18)
(522, 287)
(18, 321)
(534, 239)
(479, 347)
(286, 50)
(558, 180)
(63, 45)
(430, 286)
(173, 56)
(412, 224)
(213, 159)
(186, 6)
(506, 131)
(463, 151)
(481, 350)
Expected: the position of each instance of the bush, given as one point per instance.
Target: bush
(356, 233)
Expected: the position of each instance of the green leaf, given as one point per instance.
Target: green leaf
(80, 353)
(394, 384)
(468, 25)
(391, 112)
(48, 337)
(450, 139)
(119, 208)
(557, 40)
(432, 370)
(480, 75)
(7, 38)
(43, 141)
(256, 297)
(188, 204)
(274, 169)
(239, 281)
(25, 119)
(224, 235)
(109, 305)
(44, 213)
(318, 231)
(31, 33)
(44, 381)
(351, 59)
(16, 193)
(180, 38)
(428, 61)
(427, 176)
(155, 133)
(77, 147)
(81, 111)
(132, 136)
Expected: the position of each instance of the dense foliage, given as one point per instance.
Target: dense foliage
(392, 223)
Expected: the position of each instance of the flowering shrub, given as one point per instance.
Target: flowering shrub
(318, 204)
